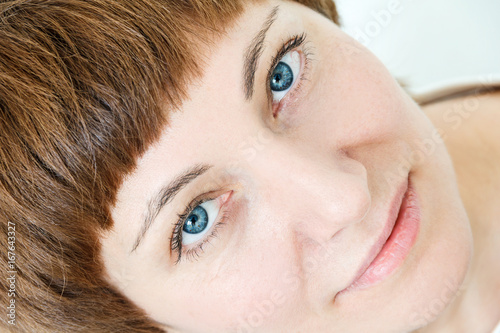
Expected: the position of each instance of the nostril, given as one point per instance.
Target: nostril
(349, 164)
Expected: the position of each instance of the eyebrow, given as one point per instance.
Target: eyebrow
(254, 51)
(165, 195)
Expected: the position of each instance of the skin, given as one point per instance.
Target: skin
(310, 193)
(470, 130)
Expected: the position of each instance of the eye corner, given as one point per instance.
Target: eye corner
(223, 198)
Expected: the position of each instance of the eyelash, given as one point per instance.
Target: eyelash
(292, 43)
(176, 239)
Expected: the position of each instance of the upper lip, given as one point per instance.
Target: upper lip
(392, 216)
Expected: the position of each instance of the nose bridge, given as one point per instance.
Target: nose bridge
(314, 191)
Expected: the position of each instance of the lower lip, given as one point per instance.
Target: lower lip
(398, 245)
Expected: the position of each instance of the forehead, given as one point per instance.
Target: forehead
(215, 108)
(224, 62)
(217, 90)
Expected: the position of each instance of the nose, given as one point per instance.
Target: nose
(314, 192)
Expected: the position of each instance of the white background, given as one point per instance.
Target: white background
(429, 44)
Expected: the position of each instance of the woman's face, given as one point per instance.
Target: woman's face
(277, 185)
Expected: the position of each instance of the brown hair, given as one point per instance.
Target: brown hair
(82, 88)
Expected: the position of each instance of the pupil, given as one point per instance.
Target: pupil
(197, 221)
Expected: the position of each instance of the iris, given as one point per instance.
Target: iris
(282, 77)
(197, 221)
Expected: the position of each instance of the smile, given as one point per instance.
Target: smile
(396, 241)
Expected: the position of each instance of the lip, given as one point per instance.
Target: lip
(394, 243)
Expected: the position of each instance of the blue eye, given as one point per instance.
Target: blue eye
(284, 75)
(200, 221)
(197, 221)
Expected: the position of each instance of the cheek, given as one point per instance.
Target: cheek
(251, 290)
(262, 284)
(355, 100)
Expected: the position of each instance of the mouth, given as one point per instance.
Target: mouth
(395, 242)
